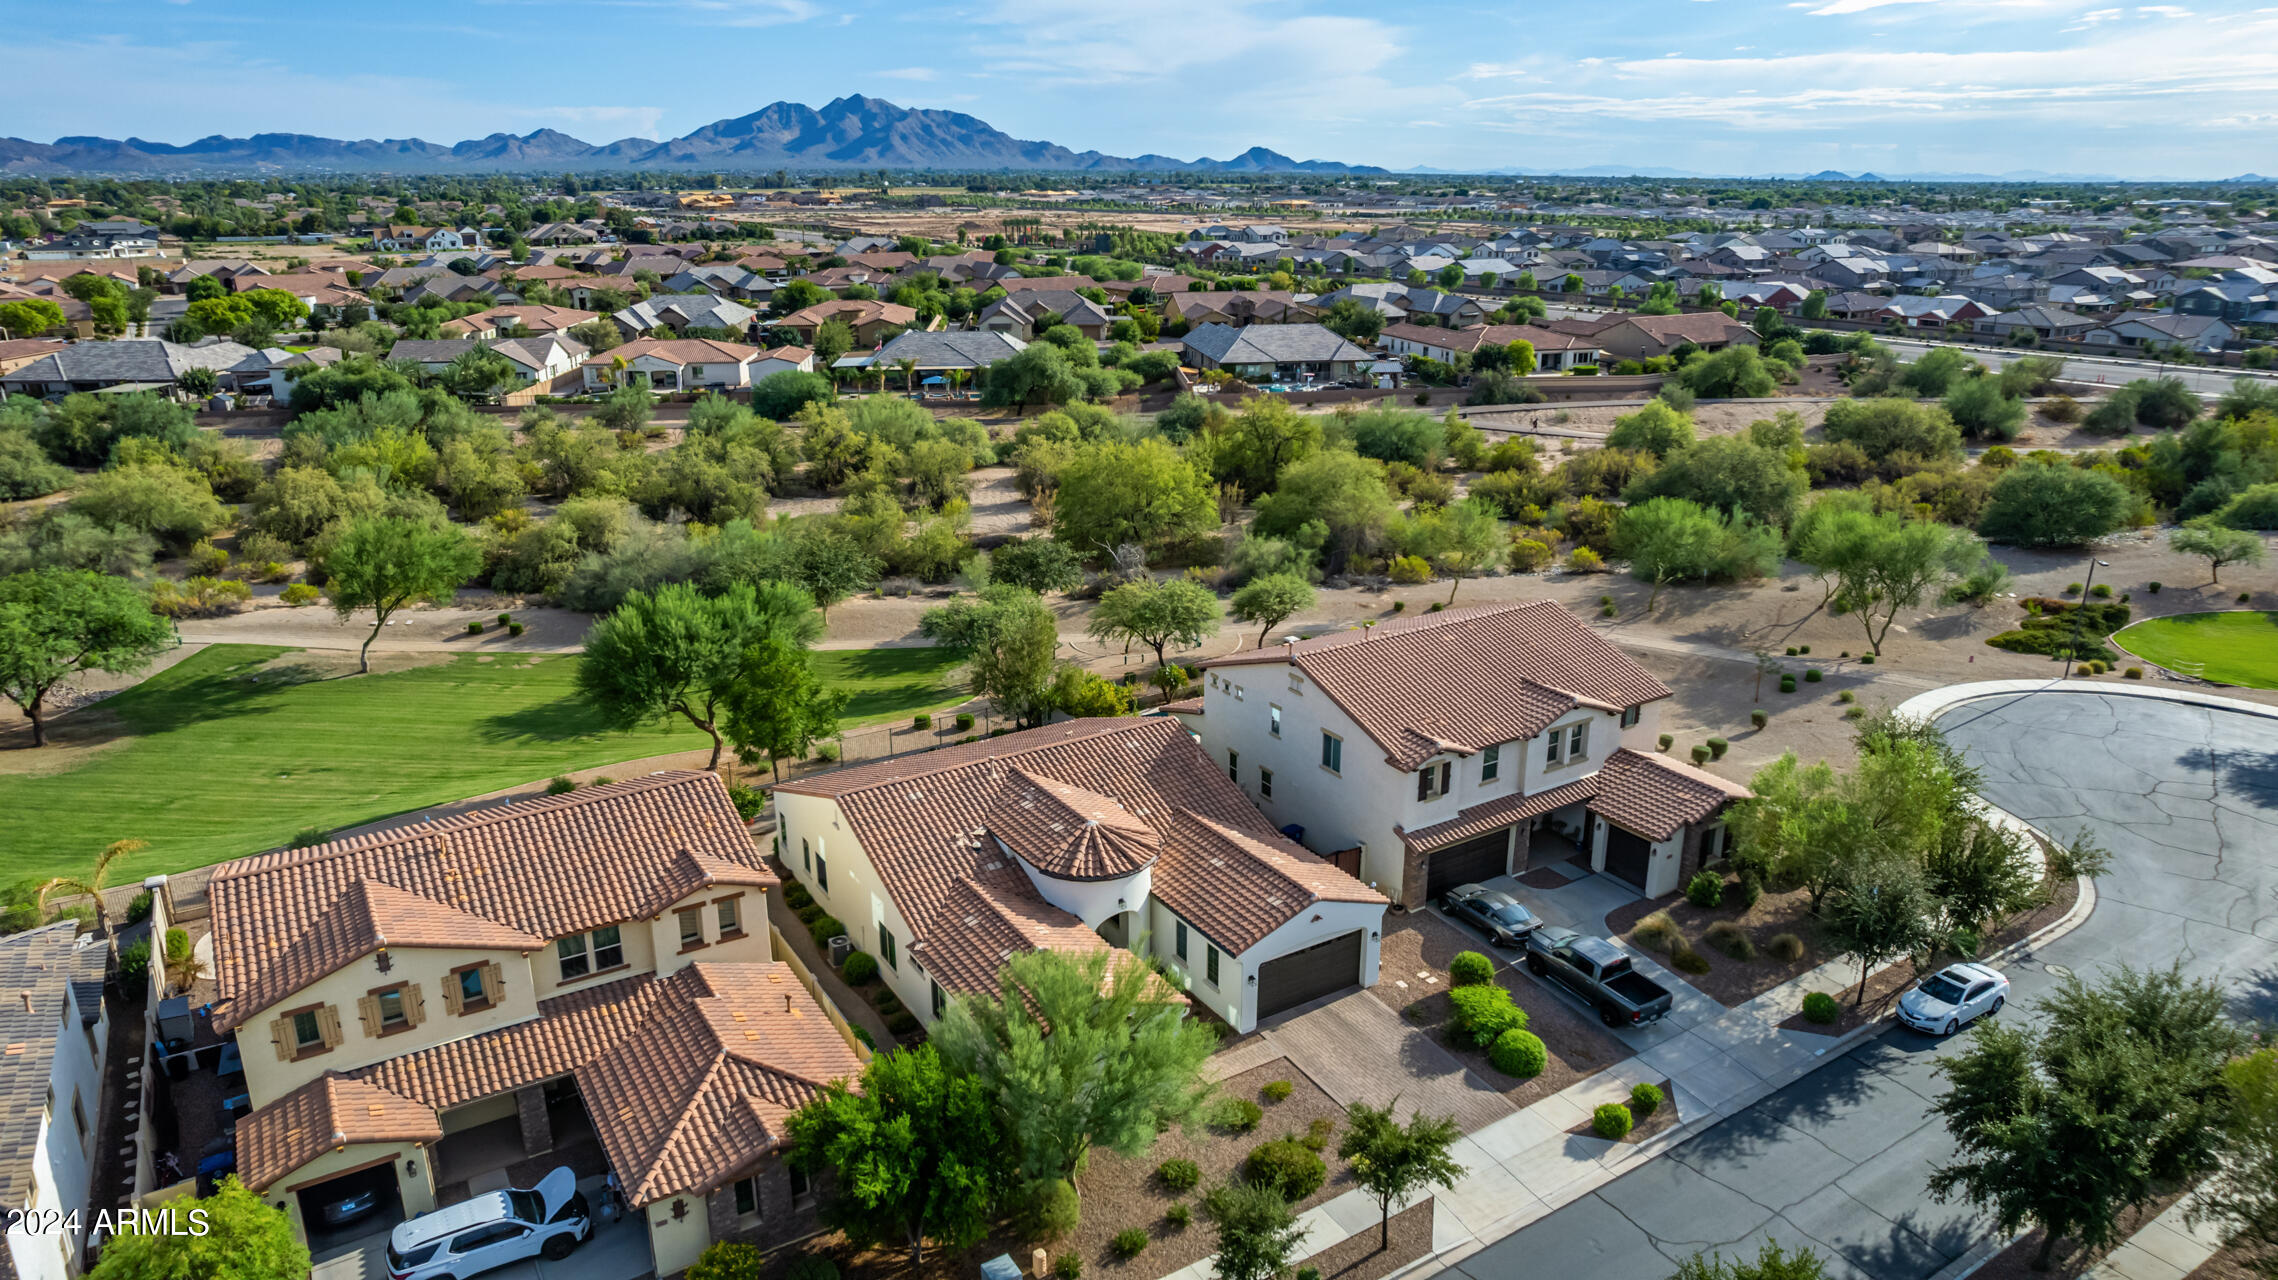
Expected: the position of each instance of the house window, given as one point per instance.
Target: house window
(1210, 963)
(802, 1187)
(79, 1118)
(308, 1031)
(390, 1005)
(940, 1002)
(1432, 780)
(730, 913)
(691, 921)
(747, 1197)
(474, 996)
(822, 873)
(1630, 716)
(1332, 753)
(1265, 783)
(1490, 763)
(608, 948)
(584, 953)
(1576, 737)
(1233, 766)
(1273, 720)
(1556, 750)
(806, 857)
(888, 951)
(1180, 944)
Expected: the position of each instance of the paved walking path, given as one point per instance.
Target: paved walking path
(1524, 1165)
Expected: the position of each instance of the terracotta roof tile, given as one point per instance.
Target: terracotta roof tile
(1655, 796)
(1415, 685)
(330, 1111)
(1237, 886)
(535, 870)
(985, 923)
(1065, 831)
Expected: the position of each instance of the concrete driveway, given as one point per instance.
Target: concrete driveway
(2187, 800)
(616, 1251)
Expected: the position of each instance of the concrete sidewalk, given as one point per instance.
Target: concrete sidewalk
(1720, 1062)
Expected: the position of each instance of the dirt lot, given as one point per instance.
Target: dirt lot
(1420, 942)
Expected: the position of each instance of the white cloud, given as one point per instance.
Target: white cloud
(907, 73)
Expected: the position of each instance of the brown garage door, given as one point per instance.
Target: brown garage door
(1628, 854)
(1305, 975)
(1468, 863)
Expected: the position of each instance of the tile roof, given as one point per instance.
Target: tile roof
(687, 1078)
(1272, 344)
(678, 351)
(1067, 832)
(1655, 796)
(1414, 684)
(537, 319)
(855, 311)
(950, 348)
(431, 350)
(328, 1112)
(1480, 819)
(925, 823)
(538, 869)
(40, 964)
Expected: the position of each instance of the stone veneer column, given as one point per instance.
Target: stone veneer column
(537, 1126)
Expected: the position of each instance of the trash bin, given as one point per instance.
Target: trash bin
(1295, 832)
(174, 1019)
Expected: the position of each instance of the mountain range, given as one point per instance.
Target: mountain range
(853, 132)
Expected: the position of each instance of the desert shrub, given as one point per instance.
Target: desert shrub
(860, 969)
(1717, 747)
(1408, 570)
(796, 895)
(1611, 1121)
(1238, 1114)
(1657, 932)
(1317, 1133)
(811, 1267)
(1705, 890)
(1179, 1175)
(1285, 1165)
(1787, 684)
(1528, 555)
(728, 1260)
(1751, 889)
(561, 785)
(1688, 960)
(1068, 1266)
(1813, 676)
(2132, 673)
(1519, 1052)
(1278, 1091)
(1484, 1013)
(134, 963)
(1667, 740)
(1758, 718)
(1731, 939)
(1644, 1099)
(1785, 947)
(1821, 1008)
(824, 928)
(1179, 1215)
(298, 594)
(1129, 1242)
(1469, 968)
(1584, 560)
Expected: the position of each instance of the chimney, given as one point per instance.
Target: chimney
(1289, 647)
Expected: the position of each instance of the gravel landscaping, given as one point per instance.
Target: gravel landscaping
(1360, 1258)
(1420, 943)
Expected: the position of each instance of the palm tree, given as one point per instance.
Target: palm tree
(909, 370)
(96, 882)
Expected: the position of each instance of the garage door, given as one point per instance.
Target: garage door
(351, 1206)
(1468, 863)
(1310, 974)
(1628, 855)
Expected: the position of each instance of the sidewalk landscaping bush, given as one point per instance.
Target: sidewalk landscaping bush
(1785, 948)
(1731, 939)
(1484, 1013)
(1687, 960)
(1237, 1114)
(824, 928)
(1657, 932)
(1519, 1052)
(1285, 1165)
(1469, 969)
(1821, 1008)
(1278, 1090)
(1179, 1175)
(1705, 890)
(1179, 1215)
(1317, 1133)
(1644, 1099)
(860, 969)
(796, 895)
(1611, 1121)
(1130, 1242)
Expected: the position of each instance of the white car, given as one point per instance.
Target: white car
(1953, 998)
(492, 1230)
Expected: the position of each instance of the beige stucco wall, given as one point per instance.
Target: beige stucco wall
(676, 1243)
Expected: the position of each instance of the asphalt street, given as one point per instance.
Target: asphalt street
(2187, 800)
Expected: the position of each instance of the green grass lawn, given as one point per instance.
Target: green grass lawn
(2238, 648)
(228, 753)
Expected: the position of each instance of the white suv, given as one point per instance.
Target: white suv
(492, 1230)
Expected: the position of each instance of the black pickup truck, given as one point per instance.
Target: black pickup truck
(1600, 973)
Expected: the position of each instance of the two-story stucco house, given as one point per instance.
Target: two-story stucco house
(1450, 748)
(420, 1006)
(1076, 836)
(51, 1081)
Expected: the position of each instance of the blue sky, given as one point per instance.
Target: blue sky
(1717, 86)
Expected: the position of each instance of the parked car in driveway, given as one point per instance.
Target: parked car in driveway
(1600, 973)
(1953, 998)
(350, 1207)
(1504, 919)
(492, 1230)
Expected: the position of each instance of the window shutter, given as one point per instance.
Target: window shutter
(328, 1026)
(1447, 778)
(281, 1036)
(451, 1001)
(493, 982)
(368, 1009)
(1423, 783)
(414, 1006)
